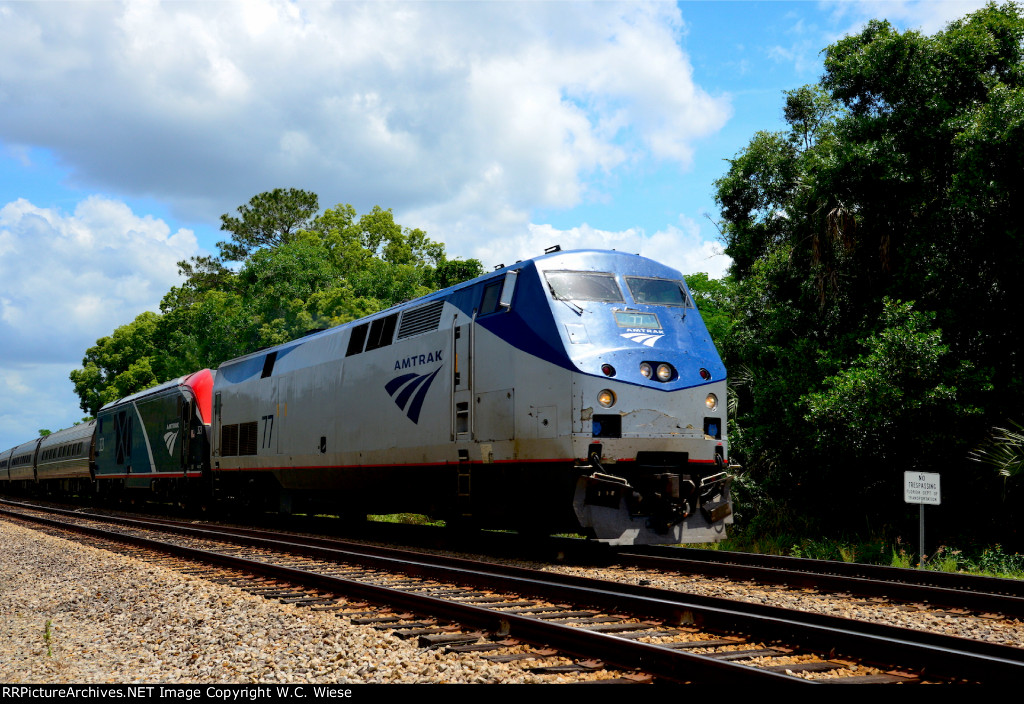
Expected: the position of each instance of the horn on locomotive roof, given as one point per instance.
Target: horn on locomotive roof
(553, 249)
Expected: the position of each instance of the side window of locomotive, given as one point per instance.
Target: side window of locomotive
(492, 292)
(268, 369)
(658, 292)
(382, 332)
(358, 339)
(498, 294)
(584, 286)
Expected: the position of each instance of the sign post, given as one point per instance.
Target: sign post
(921, 488)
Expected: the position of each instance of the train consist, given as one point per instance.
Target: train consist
(578, 391)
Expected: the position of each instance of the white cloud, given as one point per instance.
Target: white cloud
(684, 246)
(473, 110)
(68, 279)
(33, 397)
(687, 247)
(802, 54)
(65, 281)
(925, 16)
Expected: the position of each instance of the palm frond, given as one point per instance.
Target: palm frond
(1004, 450)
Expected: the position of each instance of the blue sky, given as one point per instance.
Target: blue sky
(126, 129)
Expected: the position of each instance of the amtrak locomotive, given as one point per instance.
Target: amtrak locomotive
(578, 391)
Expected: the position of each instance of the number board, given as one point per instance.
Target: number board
(630, 319)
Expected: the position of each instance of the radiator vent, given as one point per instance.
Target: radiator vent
(419, 320)
(238, 439)
(229, 440)
(247, 438)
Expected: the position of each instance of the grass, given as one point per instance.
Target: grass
(983, 560)
(416, 519)
(48, 638)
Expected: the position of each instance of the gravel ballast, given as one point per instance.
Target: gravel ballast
(76, 614)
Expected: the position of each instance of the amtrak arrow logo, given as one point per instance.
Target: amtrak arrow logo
(644, 338)
(169, 438)
(409, 391)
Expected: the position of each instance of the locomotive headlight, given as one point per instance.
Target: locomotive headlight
(711, 402)
(665, 372)
(606, 398)
(645, 370)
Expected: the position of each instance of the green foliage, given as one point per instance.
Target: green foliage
(947, 560)
(295, 272)
(992, 560)
(900, 383)
(901, 559)
(714, 299)
(897, 180)
(414, 519)
(996, 562)
(118, 365)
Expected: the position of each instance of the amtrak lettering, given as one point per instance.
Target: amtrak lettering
(417, 359)
(410, 390)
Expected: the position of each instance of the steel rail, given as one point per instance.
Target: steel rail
(953, 580)
(977, 593)
(926, 651)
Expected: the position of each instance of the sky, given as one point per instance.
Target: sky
(499, 128)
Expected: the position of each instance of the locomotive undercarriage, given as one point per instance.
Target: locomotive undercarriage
(661, 497)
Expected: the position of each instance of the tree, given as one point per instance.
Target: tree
(897, 180)
(714, 300)
(119, 365)
(267, 220)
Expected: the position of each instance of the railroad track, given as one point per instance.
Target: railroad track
(498, 611)
(937, 590)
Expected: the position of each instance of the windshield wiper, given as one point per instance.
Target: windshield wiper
(572, 306)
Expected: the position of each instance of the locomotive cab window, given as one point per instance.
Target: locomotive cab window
(658, 292)
(357, 340)
(584, 286)
(498, 294)
(382, 331)
(489, 304)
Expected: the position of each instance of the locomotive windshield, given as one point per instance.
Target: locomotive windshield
(584, 286)
(658, 292)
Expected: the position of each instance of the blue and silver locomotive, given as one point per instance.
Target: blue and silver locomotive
(578, 390)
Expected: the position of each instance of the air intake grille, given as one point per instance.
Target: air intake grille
(229, 440)
(238, 439)
(247, 438)
(420, 320)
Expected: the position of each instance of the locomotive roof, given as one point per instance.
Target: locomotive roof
(577, 259)
(153, 390)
